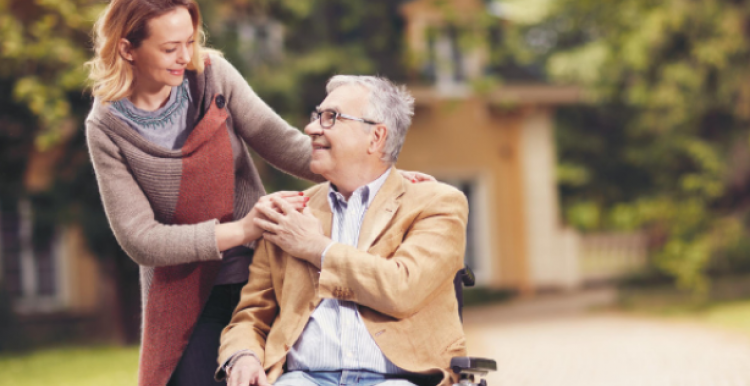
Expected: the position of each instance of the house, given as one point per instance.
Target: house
(495, 143)
(58, 288)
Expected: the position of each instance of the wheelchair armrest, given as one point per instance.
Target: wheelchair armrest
(473, 365)
(467, 276)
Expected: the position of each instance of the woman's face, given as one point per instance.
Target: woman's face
(161, 59)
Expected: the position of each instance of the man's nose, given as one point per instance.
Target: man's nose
(313, 128)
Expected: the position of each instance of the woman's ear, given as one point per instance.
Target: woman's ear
(125, 49)
(378, 136)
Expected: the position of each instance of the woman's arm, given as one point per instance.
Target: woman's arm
(283, 146)
(147, 241)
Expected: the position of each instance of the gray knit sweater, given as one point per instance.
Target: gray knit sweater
(139, 181)
(167, 126)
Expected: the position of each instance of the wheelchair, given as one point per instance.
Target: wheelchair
(469, 368)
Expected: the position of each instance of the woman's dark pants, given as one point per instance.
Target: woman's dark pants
(198, 363)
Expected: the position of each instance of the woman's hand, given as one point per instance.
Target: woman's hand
(416, 176)
(243, 231)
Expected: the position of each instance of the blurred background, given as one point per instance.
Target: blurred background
(603, 146)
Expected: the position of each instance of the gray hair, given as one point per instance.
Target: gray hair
(390, 104)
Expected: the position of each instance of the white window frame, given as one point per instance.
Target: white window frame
(30, 302)
(481, 209)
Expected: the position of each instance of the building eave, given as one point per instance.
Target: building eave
(510, 95)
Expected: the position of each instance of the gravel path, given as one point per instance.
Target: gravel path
(570, 348)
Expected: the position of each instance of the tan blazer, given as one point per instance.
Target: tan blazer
(410, 247)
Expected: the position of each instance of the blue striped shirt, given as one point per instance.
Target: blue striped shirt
(335, 338)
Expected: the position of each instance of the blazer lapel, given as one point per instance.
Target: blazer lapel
(321, 209)
(381, 211)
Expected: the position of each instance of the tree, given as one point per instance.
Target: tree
(663, 144)
(321, 38)
(44, 98)
(44, 44)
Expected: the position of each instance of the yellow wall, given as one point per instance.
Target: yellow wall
(465, 138)
(83, 289)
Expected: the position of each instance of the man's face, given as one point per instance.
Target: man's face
(343, 146)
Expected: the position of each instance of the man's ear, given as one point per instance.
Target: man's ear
(125, 49)
(378, 136)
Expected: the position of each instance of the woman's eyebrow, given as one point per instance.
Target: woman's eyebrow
(177, 41)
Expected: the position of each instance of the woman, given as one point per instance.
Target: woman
(167, 135)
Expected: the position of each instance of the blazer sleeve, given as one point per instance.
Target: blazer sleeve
(147, 241)
(255, 312)
(280, 144)
(429, 256)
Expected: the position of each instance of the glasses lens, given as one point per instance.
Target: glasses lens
(327, 118)
(314, 116)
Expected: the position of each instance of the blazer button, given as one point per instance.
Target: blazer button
(220, 101)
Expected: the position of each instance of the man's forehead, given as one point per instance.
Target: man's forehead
(346, 96)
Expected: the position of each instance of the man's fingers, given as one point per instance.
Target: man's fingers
(271, 237)
(240, 376)
(269, 212)
(262, 380)
(266, 225)
(243, 379)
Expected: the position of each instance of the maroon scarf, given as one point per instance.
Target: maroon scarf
(178, 293)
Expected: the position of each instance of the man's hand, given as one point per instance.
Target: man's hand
(247, 371)
(295, 199)
(244, 230)
(299, 234)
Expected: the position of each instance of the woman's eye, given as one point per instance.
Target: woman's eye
(171, 50)
(191, 42)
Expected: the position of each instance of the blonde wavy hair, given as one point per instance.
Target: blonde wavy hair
(110, 75)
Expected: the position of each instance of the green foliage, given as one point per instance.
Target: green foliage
(725, 305)
(322, 38)
(668, 82)
(115, 366)
(44, 46)
(662, 146)
(12, 336)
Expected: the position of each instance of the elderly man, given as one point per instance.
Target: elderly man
(358, 287)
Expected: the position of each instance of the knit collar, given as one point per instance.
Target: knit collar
(202, 87)
(178, 100)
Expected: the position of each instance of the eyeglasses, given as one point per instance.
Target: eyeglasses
(328, 118)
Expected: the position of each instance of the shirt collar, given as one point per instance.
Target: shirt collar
(366, 192)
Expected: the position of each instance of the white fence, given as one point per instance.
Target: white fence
(607, 256)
